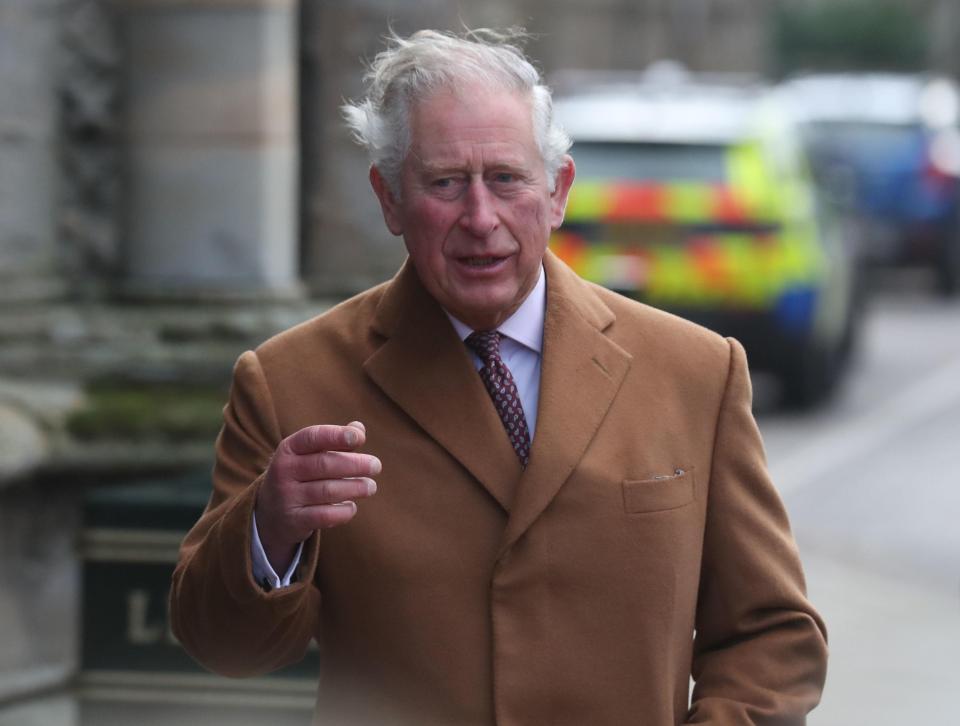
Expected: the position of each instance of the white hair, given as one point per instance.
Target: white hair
(411, 69)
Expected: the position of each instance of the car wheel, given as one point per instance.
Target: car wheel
(809, 376)
(948, 268)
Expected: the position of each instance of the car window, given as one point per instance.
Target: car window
(866, 137)
(650, 162)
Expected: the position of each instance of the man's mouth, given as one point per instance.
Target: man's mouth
(480, 261)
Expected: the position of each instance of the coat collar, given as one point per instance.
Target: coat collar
(425, 369)
(580, 373)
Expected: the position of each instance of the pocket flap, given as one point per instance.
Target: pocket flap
(658, 494)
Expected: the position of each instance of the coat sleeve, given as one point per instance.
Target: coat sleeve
(760, 647)
(227, 622)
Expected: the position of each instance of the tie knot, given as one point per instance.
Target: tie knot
(485, 343)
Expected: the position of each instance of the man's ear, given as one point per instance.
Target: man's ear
(558, 197)
(388, 202)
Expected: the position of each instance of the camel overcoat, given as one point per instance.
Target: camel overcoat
(644, 543)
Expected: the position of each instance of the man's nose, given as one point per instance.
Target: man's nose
(479, 210)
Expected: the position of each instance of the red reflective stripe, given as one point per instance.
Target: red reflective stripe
(710, 263)
(638, 201)
(728, 206)
(568, 247)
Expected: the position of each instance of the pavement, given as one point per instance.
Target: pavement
(872, 485)
(893, 648)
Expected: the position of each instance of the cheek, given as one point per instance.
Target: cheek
(531, 223)
(427, 224)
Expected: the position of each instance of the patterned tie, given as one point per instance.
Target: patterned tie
(502, 389)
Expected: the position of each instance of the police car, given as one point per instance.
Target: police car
(694, 196)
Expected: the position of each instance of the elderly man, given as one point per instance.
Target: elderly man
(572, 513)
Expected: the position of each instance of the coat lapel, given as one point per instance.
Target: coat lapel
(581, 372)
(424, 368)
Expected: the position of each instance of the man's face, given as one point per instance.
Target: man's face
(475, 207)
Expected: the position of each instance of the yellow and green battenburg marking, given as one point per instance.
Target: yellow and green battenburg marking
(732, 245)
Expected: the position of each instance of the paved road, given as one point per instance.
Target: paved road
(872, 483)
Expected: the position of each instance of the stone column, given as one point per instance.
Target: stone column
(210, 147)
(28, 161)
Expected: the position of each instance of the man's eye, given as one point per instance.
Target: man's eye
(504, 177)
(442, 183)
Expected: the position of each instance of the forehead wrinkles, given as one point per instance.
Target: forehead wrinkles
(449, 133)
(451, 121)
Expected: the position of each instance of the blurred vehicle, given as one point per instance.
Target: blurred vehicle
(897, 137)
(694, 196)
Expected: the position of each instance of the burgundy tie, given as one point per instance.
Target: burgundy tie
(502, 389)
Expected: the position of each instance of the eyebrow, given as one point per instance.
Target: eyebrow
(432, 169)
(451, 168)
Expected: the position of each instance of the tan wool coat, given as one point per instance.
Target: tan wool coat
(643, 544)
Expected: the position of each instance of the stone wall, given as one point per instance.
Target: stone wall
(29, 55)
(39, 590)
(90, 181)
(210, 147)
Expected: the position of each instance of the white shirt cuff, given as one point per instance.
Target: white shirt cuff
(263, 571)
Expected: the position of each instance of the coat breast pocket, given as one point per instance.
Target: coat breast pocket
(659, 493)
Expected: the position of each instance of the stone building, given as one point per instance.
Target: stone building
(175, 186)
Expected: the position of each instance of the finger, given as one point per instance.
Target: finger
(326, 515)
(334, 465)
(334, 491)
(314, 439)
(358, 425)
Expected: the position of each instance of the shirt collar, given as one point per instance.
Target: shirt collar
(526, 324)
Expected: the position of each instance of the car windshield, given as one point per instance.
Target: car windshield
(865, 137)
(629, 161)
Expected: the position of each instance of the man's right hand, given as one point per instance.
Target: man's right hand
(312, 481)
